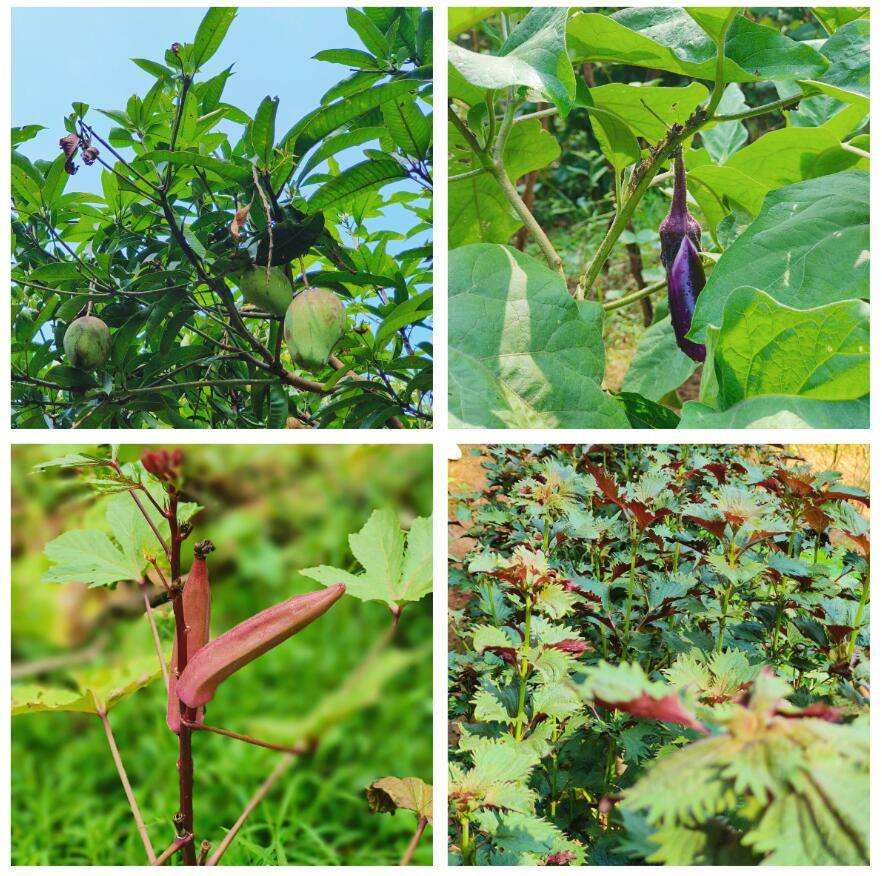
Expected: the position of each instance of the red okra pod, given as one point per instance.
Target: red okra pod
(221, 657)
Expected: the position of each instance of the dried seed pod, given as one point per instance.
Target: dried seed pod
(685, 282)
(220, 658)
(197, 615)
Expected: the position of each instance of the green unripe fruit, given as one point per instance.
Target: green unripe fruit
(273, 297)
(87, 343)
(314, 323)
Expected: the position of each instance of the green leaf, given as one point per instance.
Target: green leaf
(463, 18)
(409, 128)
(212, 30)
(24, 133)
(89, 557)
(224, 169)
(370, 34)
(768, 348)
(534, 56)
(477, 208)
(659, 365)
(821, 242)
(263, 132)
(777, 159)
(28, 698)
(647, 110)
(779, 412)
(332, 145)
(833, 17)
(98, 689)
(523, 352)
(318, 124)
(359, 690)
(349, 57)
(668, 38)
(366, 176)
(392, 574)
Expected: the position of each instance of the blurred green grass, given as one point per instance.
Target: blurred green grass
(270, 510)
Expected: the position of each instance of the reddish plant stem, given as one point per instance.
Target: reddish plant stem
(123, 777)
(251, 740)
(184, 819)
(414, 841)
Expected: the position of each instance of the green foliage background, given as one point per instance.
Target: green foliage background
(270, 511)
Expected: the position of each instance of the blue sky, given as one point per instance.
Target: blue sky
(62, 55)
(65, 54)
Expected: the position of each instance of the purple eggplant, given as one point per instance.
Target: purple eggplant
(680, 236)
(685, 282)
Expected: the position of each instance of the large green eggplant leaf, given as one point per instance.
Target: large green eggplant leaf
(659, 365)
(767, 348)
(523, 352)
(779, 412)
(668, 38)
(535, 56)
(780, 158)
(809, 246)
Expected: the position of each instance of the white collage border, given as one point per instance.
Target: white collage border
(442, 439)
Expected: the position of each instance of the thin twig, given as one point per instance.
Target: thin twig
(179, 843)
(133, 804)
(288, 749)
(156, 641)
(252, 804)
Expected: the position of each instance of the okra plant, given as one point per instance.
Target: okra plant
(573, 132)
(661, 656)
(151, 524)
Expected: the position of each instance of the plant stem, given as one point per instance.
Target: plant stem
(634, 297)
(511, 192)
(631, 583)
(133, 805)
(726, 597)
(464, 845)
(784, 103)
(459, 177)
(177, 844)
(865, 595)
(525, 665)
(259, 794)
(414, 840)
(553, 782)
(158, 645)
(719, 79)
(241, 737)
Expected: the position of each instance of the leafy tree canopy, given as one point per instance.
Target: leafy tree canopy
(195, 196)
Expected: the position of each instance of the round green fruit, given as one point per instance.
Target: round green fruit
(274, 296)
(314, 323)
(87, 343)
